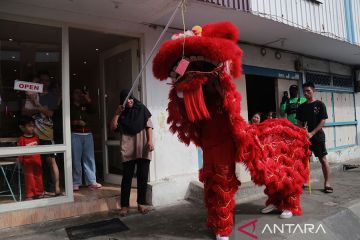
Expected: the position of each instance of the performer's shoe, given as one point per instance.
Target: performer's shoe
(268, 209)
(286, 214)
(218, 237)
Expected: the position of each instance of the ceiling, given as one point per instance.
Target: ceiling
(96, 42)
(258, 30)
(253, 29)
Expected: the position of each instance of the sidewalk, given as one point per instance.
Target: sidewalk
(338, 214)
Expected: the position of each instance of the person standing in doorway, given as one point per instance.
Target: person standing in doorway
(290, 105)
(312, 116)
(82, 143)
(134, 123)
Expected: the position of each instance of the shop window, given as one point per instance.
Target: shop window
(330, 81)
(30, 81)
(318, 79)
(28, 178)
(342, 81)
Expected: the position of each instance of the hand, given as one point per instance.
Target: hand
(86, 97)
(32, 97)
(113, 125)
(81, 123)
(46, 111)
(150, 146)
(119, 109)
(310, 135)
(284, 99)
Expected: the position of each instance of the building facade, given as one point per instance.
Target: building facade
(101, 45)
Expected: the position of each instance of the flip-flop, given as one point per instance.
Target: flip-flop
(38, 197)
(328, 190)
(143, 210)
(123, 213)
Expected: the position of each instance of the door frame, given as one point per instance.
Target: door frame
(133, 45)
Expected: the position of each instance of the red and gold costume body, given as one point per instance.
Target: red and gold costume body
(204, 108)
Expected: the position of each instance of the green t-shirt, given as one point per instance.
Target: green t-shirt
(290, 108)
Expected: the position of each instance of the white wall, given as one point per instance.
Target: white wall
(253, 57)
(173, 163)
(241, 172)
(326, 66)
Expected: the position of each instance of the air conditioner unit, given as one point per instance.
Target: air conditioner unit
(357, 80)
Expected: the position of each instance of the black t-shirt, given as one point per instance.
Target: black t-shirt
(312, 114)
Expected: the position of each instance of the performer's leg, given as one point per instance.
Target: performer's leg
(284, 201)
(292, 203)
(220, 186)
(274, 198)
(220, 202)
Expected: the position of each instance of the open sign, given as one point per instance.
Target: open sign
(28, 86)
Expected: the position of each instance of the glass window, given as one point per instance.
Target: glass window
(29, 177)
(30, 81)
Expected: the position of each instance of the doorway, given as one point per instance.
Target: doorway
(105, 64)
(261, 95)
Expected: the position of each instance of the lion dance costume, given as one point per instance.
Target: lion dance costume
(204, 108)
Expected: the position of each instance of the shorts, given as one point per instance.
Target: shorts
(318, 148)
(47, 142)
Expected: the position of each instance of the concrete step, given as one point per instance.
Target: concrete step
(248, 191)
(86, 201)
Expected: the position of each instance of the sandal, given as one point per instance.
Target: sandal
(124, 211)
(142, 209)
(328, 189)
(38, 196)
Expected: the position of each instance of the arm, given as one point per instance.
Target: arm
(283, 104)
(114, 121)
(300, 123)
(318, 128)
(283, 107)
(20, 144)
(31, 112)
(323, 116)
(90, 109)
(149, 134)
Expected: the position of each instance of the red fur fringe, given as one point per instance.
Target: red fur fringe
(195, 105)
(276, 152)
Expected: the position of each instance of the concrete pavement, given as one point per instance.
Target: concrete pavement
(338, 214)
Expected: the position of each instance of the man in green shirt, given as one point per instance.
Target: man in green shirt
(289, 106)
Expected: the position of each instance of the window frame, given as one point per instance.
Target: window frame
(65, 147)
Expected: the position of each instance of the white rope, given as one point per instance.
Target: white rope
(181, 2)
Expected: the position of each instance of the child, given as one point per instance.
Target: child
(255, 118)
(31, 164)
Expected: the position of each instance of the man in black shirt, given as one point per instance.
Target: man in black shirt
(312, 115)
